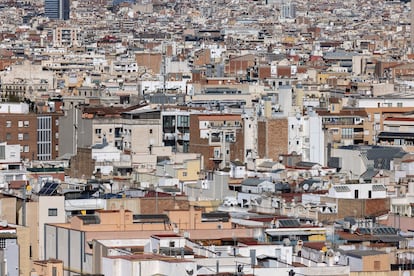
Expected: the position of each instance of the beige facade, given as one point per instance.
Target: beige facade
(49, 267)
(191, 220)
(23, 240)
(8, 209)
(48, 209)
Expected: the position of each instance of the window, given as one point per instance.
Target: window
(399, 104)
(184, 173)
(98, 131)
(25, 136)
(20, 124)
(183, 121)
(52, 212)
(26, 123)
(26, 148)
(347, 133)
(8, 124)
(2, 243)
(8, 136)
(150, 131)
(20, 136)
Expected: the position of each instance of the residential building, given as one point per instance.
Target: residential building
(176, 129)
(47, 209)
(218, 138)
(36, 133)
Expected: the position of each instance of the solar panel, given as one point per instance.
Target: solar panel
(378, 188)
(289, 223)
(364, 231)
(341, 189)
(48, 188)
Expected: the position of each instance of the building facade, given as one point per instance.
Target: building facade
(57, 9)
(36, 133)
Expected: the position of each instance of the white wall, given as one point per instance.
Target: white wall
(46, 203)
(295, 134)
(351, 161)
(316, 141)
(388, 102)
(20, 108)
(12, 153)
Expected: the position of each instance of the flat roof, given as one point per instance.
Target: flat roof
(362, 253)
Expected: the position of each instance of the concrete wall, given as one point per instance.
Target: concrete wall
(71, 137)
(67, 245)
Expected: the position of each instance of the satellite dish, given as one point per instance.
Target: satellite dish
(305, 187)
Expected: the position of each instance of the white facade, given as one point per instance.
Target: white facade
(351, 161)
(128, 265)
(384, 102)
(358, 191)
(147, 86)
(105, 158)
(237, 171)
(296, 134)
(316, 141)
(157, 242)
(19, 108)
(285, 100)
(51, 209)
(107, 153)
(408, 167)
(9, 153)
(283, 253)
(250, 137)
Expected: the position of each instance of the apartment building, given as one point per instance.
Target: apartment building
(176, 129)
(67, 37)
(36, 132)
(218, 138)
